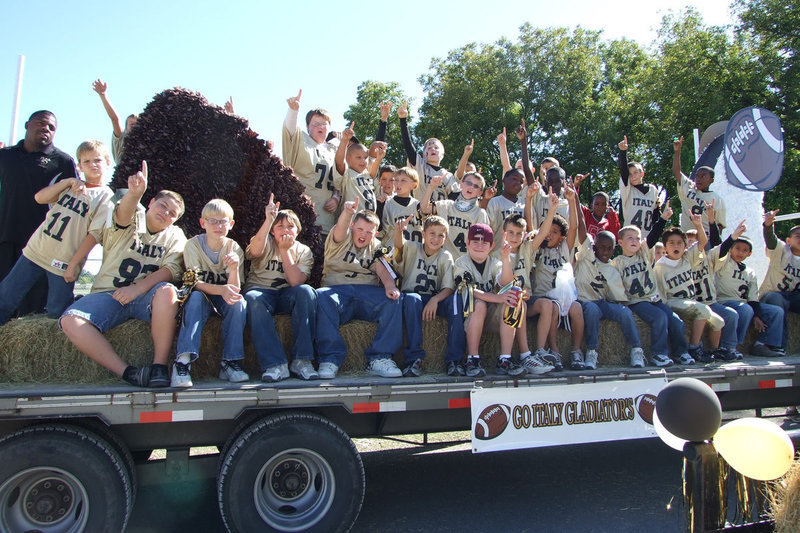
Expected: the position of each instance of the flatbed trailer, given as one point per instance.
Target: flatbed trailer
(70, 456)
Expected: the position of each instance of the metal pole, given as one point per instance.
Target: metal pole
(15, 111)
(696, 144)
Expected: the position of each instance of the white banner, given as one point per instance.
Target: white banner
(550, 415)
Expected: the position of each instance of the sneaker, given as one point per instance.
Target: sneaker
(537, 364)
(723, 354)
(413, 369)
(273, 373)
(737, 355)
(455, 369)
(777, 349)
(506, 366)
(385, 368)
(661, 360)
(686, 359)
(473, 368)
(138, 377)
(553, 358)
(232, 371)
(590, 361)
(637, 358)
(180, 375)
(576, 360)
(698, 354)
(159, 376)
(327, 370)
(762, 350)
(304, 369)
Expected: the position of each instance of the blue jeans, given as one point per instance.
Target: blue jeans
(196, 311)
(661, 318)
(262, 304)
(104, 312)
(19, 281)
(413, 304)
(339, 304)
(729, 336)
(788, 301)
(771, 315)
(595, 311)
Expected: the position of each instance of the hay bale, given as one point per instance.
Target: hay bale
(784, 497)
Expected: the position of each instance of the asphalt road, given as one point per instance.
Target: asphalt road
(442, 486)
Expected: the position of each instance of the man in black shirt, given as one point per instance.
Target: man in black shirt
(25, 168)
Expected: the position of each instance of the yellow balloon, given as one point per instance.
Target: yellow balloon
(755, 448)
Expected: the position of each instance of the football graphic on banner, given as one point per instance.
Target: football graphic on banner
(492, 421)
(754, 149)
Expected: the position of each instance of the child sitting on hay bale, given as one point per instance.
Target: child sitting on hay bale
(142, 253)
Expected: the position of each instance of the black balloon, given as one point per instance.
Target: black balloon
(689, 409)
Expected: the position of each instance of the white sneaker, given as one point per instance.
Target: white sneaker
(327, 370)
(304, 369)
(536, 363)
(180, 376)
(275, 373)
(661, 360)
(637, 358)
(686, 359)
(590, 361)
(233, 372)
(385, 368)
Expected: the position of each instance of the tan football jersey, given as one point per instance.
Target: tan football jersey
(541, 206)
(694, 201)
(637, 208)
(354, 185)
(266, 271)
(132, 252)
(68, 221)
(522, 263)
(549, 261)
(425, 172)
(347, 265)
(783, 273)
(674, 277)
(596, 280)
(210, 271)
(498, 209)
(424, 274)
(459, 222)
(486, 281)
(734, 281)
(313, 165)
(637, 276)
(394, 212)
(704, 289)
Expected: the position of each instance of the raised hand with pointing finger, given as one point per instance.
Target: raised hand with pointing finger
(294, 101)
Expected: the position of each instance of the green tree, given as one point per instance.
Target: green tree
(366, 114)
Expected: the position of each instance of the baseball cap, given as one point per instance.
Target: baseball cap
(480, 230)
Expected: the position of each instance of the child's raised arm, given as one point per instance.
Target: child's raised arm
(622, 159)
(386, 108)
(462, 163)
(341, 151)
(290, 122)
(51, 193)
(411, 152)
(425, 204)
(702, 239)
(676, 160)
(532, 192)
(258, 243)
(380, 153)
(544, 229)
(100, 87)
(527, 169)
(572, 198)
(770, 239)
(658, 227)
(502, 143)
(342, 226)
(126, 208)
(399, 240)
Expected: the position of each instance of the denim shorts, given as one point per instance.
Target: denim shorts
(104, 312)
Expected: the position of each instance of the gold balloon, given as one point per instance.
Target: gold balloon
(755, 448)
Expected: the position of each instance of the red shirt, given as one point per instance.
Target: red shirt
(610, 222)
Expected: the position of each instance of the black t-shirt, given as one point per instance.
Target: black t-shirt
(22, 175)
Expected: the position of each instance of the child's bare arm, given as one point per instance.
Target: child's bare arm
(676, 160)
(544, 229)
(100, 87)
(425, 204)
(702, 239)
(78, 258)
(527, 169)
(341, 151)
(502, 143)
(388, 282)
(399, 240)
(342, 226)
(258, 243)
(290, 122)
(380, 150)
(51, 193)
(462, 163)
(126, 208)
(574, 209)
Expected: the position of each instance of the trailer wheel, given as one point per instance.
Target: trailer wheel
(62, 479)
(291, 472)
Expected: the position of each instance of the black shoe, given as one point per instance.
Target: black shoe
(554, 359)
(698, 354)
(159, 376)
(138, 377)
(473, 368)
(723, 354)
(455, 369)
(413, 369)
(506, 366)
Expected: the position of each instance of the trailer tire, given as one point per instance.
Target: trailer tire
(62, 479)
(293, 471)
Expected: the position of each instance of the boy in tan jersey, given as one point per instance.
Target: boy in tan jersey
(312, 159)
(219, 262)
(695, 195)
(601, 294)
(636, 272)
(460, 213)
(481, 273)
(781, 285)
(279, 269)
(427, 286)
(354, 173)
(639, 200)
(357, 285)
(401, 206)
(675, 278)
(58, 248)
(737, 289)
(142, 253)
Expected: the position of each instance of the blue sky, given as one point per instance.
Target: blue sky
(261, 53)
